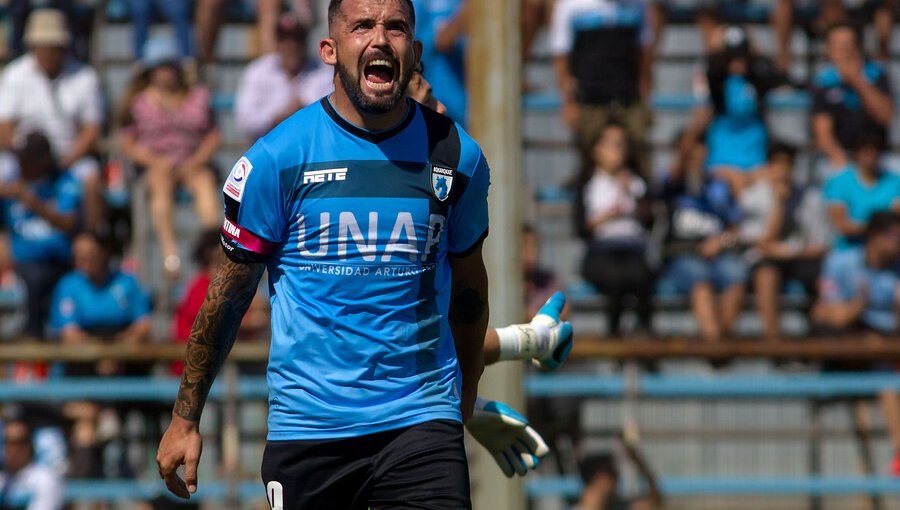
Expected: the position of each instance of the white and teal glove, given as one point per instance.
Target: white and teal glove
(545, 340)
(515, 446)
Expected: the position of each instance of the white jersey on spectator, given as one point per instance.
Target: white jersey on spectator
(36, 487)
(266, 90)
(57, 107)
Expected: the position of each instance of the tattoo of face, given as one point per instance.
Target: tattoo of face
(467, 306)
(230, 293)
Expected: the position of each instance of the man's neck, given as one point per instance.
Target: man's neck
(368, 121)
(873, 259)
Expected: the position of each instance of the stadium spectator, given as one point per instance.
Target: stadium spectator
(24, 483)
(815, 16)
(540, 282)
(737, 136)
(41, 209)
(851, 96)
(701, 251)
(612, 198)
(278, 84)
(420, 89)
(603, 56)
(97, 301)
(789, 238)
(178, 13)
(860, 286)
(170, 133)
(208, 256)
(79, 16)
(860, 191)
(210, 13)
(600, 477)
(44, 90)
(441, 26)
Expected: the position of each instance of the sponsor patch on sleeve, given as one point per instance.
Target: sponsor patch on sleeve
(237, 179)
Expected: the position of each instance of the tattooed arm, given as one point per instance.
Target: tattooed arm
(468, 322)
(230, 293)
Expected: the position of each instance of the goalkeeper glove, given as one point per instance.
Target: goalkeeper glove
(546, 340)
(515, 446)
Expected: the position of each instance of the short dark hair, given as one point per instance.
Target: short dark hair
(868, 139)
(597, 463)
(881, 222)
(782, 149)
(335, 5)
(846, 25)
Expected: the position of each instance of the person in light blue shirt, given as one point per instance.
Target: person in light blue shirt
(861, 190)
(97, 301)
(440, 26)
(41, 210)
(860, 286)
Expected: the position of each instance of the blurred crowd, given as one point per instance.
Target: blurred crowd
(733, 214)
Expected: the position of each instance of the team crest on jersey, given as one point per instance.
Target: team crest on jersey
(441, 181)
(237, 178)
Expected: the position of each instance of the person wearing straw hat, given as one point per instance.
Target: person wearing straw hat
(46, 90)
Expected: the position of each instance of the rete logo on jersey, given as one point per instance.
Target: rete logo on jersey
(328, 175)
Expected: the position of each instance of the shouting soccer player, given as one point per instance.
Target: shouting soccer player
(369, 212)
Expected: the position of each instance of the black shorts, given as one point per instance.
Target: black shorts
(418, 467)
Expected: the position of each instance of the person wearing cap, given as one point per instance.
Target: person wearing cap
(276, 85)
(739, 80)
(168, 130)
(46, 90)
(851, 95)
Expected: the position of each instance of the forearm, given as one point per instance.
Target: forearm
(491, 347)
(839, 315)
(66, 222)
(6, 135)
(137, 153)
(212, 336)
(206, 150)
(823, 134)
(877, 104)
(468, 319)
(138, 332)
(83, 145)
(564, 78)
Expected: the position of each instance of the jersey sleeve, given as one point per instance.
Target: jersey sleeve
(254, 207)
(468, 223)
(561, 34)
(833, 191)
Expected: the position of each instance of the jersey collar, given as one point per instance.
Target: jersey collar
(375, 137)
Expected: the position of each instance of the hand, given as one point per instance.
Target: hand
(711, 247)
(181, 444)
(570, 114)
(850, 70)
(515, 446)
(12, 190)
(557, 335)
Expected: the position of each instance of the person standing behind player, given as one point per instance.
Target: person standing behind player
(369, 212)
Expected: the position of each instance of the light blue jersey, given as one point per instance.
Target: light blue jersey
(356, 229)
(860, 199)
(845, 275)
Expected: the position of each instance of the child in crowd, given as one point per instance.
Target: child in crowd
(786, 233)
(701, 251)
(613, 197)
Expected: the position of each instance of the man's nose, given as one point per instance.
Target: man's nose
(380, 36)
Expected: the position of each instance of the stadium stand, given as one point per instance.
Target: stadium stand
(732, 425)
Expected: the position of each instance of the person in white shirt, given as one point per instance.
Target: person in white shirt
(615, 260)
(25, 484)
(45, 90)
(278, 84)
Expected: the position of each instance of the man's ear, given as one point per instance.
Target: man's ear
(417, 51)
(328, 51)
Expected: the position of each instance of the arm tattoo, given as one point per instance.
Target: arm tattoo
(467, 306)
(230, 293)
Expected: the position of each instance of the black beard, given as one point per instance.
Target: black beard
(363, 102)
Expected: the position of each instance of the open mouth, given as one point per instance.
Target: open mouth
(379, 74)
